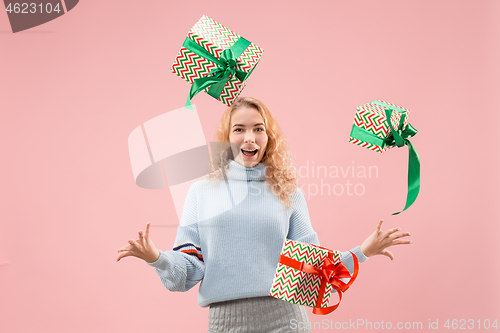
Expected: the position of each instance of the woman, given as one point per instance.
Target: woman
(233, 227)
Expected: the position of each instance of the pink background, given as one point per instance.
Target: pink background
(74, 88)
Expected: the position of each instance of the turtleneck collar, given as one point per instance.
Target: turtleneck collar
(236, 171)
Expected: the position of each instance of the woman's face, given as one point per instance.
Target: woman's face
(248, 132)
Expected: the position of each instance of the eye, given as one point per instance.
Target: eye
(261, 129)
(236, 130)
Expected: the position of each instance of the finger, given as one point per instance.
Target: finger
(379, 226)
(399, 235)
(147, 231)
(388, 254)
(133, 243)
(125, 248)
(393, 230)
(123, 255)
(140, 239)
(401, 241)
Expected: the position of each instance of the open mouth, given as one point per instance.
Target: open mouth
(249, 152)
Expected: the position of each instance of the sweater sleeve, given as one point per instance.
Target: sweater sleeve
(302, 231)
(182, 268)
(300, 228)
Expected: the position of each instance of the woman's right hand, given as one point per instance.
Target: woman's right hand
(142, 248)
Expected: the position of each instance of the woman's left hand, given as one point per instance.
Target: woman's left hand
(379, 241)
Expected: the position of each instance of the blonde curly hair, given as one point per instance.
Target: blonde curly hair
(277, 158)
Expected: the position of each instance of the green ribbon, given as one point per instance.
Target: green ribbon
(219, 76)
(398, 138)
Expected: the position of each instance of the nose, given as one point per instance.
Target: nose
(249, 137)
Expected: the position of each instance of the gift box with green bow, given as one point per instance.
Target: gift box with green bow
(216, 60)
(380, 126)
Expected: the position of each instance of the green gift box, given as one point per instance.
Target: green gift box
(380, 126)
(216, 60)
(371, 118)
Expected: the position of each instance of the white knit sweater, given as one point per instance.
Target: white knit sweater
(231, 234)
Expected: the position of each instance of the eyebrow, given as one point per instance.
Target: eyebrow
(244, 125)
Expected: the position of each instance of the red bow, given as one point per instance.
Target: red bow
(329, 273)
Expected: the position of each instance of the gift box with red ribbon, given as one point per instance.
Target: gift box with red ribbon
(307, 275)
